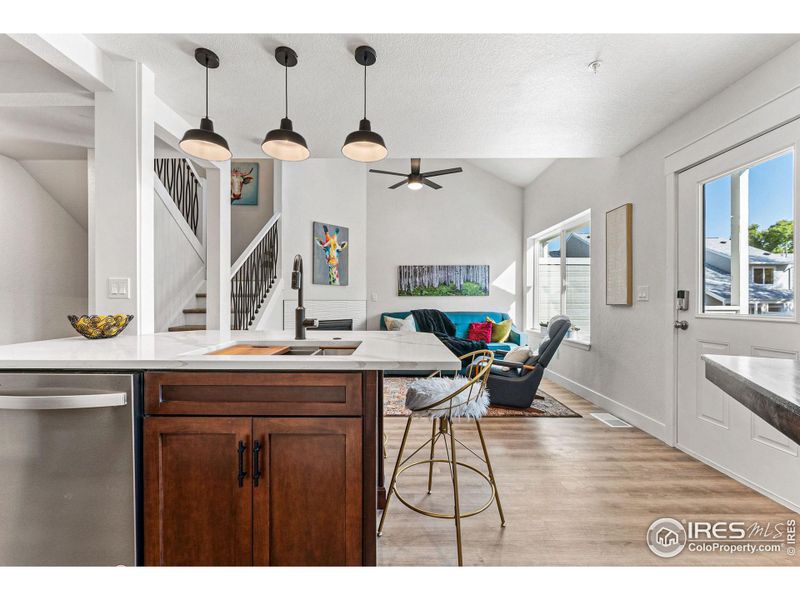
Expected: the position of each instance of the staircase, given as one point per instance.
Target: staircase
(194, 316)
(253, 275)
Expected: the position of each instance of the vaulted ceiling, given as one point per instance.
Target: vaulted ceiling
(483, 97)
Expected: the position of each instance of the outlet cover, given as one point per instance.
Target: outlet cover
(119, 287)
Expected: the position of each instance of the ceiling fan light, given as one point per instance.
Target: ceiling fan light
(414, 185)
(205, 143)
(285, 144)
(364, 145)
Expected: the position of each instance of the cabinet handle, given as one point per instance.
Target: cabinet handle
(242, 473)
(256, 463)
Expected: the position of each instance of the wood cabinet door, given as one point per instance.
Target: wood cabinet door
(197, 504)
(307, 503)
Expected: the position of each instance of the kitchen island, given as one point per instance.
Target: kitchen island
(769, 387)
(255, 449)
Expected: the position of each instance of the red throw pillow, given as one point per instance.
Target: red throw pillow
(480, 332)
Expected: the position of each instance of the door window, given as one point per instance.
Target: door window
(748, 230)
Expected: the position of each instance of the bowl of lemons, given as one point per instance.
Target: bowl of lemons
(98, 327)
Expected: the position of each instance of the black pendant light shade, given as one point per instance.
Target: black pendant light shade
(364, 145)
(284, 143)
(204, 142)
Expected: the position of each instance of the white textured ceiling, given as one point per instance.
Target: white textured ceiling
(519, 171)
(460, 96)
(481, 97)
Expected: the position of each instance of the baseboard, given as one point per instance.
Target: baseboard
(743, 480)
(647, 424)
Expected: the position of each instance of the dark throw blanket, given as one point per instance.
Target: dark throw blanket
(436, 322)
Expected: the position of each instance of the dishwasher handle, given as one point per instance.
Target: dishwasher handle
(59, 399)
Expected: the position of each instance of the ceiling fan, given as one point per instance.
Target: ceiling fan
(415, 179)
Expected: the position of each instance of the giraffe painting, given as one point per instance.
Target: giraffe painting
(330, 256)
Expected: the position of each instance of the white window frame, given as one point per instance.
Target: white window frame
(532, 273)
(741, 311)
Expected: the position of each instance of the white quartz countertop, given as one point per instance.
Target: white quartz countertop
(378, 350)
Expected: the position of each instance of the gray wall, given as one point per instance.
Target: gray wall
(475, 218)
(627, 368)
(247, 221)
(43, 260)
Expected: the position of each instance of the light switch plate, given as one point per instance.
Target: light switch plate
(373, 296)
(643, 293)
(119, 287)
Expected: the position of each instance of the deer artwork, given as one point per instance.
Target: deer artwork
(332, 248)
(239, 179)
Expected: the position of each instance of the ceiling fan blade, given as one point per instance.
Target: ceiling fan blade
(442, 172)
(432, 184)
(398, 184)
(415, 164)
(388, 172)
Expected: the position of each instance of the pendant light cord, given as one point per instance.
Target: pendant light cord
(206, 88)
(365, 91)
(286, 86)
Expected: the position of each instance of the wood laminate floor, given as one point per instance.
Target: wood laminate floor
(575, 492)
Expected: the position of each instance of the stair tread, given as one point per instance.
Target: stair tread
(194, 311)
(187, 328)
(200, 295)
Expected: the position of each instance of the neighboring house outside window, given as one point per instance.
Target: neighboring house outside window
(771, 281)
(560, 282)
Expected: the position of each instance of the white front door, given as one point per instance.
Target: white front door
(736, 236)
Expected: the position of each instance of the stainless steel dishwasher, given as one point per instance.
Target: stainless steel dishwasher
(67, 469)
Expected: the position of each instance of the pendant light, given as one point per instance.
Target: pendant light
(204, 142)
(284, 143)
(365, 145)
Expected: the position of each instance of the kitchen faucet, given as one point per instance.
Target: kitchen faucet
(300, 321)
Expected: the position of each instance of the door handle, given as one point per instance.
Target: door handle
(682, 325)
(60, 398)
(242, 473)
(256, 463)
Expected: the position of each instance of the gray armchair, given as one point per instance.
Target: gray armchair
(517, 386)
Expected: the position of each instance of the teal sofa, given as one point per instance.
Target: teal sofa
(462, 319)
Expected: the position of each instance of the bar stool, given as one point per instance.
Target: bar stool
(443, 399)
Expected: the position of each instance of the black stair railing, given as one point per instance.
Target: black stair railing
(253, 279)
(183, 186)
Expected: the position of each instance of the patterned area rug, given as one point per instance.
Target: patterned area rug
(394, 396)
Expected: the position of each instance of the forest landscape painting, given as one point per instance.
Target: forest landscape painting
(443, 280)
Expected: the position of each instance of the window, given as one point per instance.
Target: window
(764, 275)
(748, 228)
(561, 275)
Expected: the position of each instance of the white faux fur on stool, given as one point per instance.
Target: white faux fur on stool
(423, 392)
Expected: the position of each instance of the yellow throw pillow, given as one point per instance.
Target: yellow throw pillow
(500, 331)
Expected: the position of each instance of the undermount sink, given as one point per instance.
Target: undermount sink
(318, 351)
(290, 348)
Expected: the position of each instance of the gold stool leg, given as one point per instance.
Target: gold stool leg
(457, 511)
(394, 476)
(491, 474)
(433, 446)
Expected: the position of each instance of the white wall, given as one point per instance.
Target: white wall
(66, 181)
(474, 219)
(626, 368)
(43, 260)
(179, 269)
(247, 221)
(331, 191)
